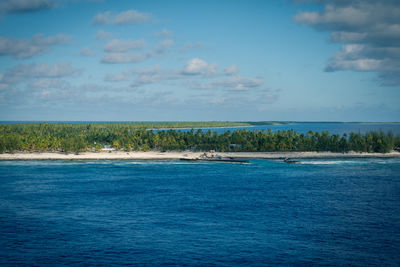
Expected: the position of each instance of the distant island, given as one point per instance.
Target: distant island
(147, 136)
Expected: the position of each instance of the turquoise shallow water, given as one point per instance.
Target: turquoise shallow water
(332, 127)
(320, 212)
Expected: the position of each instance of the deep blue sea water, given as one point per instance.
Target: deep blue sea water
(320, 212)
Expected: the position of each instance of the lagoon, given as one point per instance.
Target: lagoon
(339, 128)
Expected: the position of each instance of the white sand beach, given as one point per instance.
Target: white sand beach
(174, 155)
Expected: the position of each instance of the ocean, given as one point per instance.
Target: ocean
(339, 128)
(320, 212)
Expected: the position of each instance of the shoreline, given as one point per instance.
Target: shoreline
(200, 128)
(176, 155)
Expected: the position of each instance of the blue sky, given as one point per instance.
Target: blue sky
(200, 60)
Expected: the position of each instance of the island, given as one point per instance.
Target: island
(166, 140)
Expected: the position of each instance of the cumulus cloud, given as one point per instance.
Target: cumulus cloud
(118, 51)
(131, 17)
(226, 80)
(23, 6)
(113, 58)
(370, 31)
(147, 79)
(26, 48)
(238, 83)
(197, 66)
(232, 84)
(47, 83)
(190, 46)
(117, 45)
(102, 18)
(151, 70)
(24, 72)
(163, 47)
(122, 18)
(102, 35)
(86, 52)
(231, 70)
(141, 74)
(119, 77)
(354, 57)
(153, 75)
(163, 34)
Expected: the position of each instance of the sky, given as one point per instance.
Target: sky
(209, 60)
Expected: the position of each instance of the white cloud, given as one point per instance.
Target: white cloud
(163, 47)
(238, 83)
(147, 79)
(24, 72)
(231, 70)
(22, 6)
(197, 66)
(198, 85)
(152, 70)
(119, 77)
(350, 16)
(163, 34)
(117, 51)
(194, 69)
(102, 35)
(351, 58)
(190, 45)
(122, 18)
(46, 83)
(234, 83)
(370, 30)
(131, 17)
(102, 18)
(152, 75)
(86, 52)
(124, 57)
(141, 74)
(26, 48)
(155, 75)
(117, 45)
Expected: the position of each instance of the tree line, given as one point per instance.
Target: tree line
(131, 137)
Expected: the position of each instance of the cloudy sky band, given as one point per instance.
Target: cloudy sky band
(303, 56)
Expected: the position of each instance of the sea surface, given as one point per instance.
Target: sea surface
(332, 212)
(339, 128)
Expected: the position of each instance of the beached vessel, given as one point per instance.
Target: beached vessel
(287, 160)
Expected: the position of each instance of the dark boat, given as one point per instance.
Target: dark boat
(286, 160)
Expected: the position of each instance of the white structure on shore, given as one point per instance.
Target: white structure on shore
(107, 148)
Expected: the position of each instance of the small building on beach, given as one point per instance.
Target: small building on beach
(107, 148)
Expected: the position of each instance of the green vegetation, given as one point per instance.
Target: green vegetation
(138, 137)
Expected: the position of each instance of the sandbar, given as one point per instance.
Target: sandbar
(175, 155)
